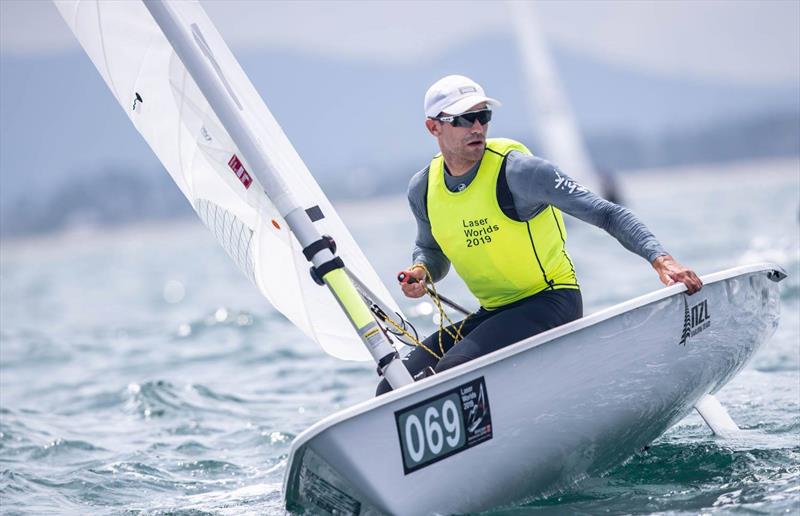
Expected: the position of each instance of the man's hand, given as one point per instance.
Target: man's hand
(671, 272)
(416, 289)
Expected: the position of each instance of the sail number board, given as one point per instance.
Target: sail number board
(444, 425)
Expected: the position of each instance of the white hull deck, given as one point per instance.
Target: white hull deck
(539, 415)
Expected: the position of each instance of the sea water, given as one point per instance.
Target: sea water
(141, 373)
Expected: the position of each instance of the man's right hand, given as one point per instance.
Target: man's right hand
(417, 288)
(671, 272)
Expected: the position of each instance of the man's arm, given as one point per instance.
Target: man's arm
(426, 249)
(536, 183)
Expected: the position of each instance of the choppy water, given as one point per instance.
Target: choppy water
(140, 373)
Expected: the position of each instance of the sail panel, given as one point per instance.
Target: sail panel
(169, 110)
(555, 123)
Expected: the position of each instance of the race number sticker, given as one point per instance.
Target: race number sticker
(444, 425)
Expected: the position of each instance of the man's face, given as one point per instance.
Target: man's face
(463, 143)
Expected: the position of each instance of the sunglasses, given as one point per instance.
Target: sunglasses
(467, 119)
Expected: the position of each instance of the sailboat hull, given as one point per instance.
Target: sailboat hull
(539, 415)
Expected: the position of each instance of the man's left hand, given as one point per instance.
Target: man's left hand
(671, 272)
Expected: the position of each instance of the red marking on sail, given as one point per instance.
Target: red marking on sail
(239, 170)
(275, 223)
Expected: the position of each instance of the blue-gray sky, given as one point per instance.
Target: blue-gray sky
(740, 41)
(634, 68)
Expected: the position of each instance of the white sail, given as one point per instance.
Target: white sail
(159, 96)
(553, 119)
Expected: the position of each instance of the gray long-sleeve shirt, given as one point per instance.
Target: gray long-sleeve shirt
(534, 184)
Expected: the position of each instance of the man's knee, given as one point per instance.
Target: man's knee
(452, 360)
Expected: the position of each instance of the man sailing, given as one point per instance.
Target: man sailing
(493, 210)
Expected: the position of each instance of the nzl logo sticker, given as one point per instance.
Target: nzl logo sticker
(695, 319)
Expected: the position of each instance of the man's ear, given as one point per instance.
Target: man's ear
(433, 127)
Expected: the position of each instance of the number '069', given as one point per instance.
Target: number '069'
(435, 434)
(441, 426)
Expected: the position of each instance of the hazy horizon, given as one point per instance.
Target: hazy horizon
(353, 110)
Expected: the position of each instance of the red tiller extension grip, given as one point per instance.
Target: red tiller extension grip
(406, 278)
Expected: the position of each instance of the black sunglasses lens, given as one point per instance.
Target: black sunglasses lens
(468, 119)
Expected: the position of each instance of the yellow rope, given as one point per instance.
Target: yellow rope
(411, 337)
(442, 314)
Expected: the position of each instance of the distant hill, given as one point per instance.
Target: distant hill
(359, 125)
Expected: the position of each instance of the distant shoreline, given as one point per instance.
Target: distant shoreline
(739, 174)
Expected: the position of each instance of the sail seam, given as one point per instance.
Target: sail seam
(101, 34)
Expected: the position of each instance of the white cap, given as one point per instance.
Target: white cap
(454, 95)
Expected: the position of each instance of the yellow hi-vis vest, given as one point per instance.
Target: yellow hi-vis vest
(500, 259)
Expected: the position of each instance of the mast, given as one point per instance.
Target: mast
(198, 58)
